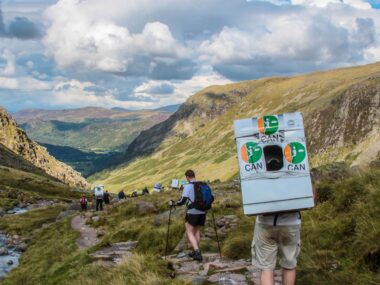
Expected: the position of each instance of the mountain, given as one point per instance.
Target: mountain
(88, 139)
(341, 110)
(18, 151)
(88, 129)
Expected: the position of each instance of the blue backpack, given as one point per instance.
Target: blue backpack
(203, 196)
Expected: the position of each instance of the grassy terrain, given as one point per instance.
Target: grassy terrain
(339, 237)
(200, 135)
(18, 186)
(88, 129)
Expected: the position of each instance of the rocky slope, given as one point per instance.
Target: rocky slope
(16, 140)
(341, 110)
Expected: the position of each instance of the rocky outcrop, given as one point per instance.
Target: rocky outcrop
(16, 140)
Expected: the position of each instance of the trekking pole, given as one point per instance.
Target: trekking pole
(167, 233)
(216, 233)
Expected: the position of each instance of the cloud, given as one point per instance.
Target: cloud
(23, 28)
(77, 38)
(20, 27)
(316, 40)
(141, 53)
(154, 87)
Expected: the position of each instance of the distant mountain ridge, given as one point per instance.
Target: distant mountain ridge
(89, 128)
(20, 152)
(341, 110)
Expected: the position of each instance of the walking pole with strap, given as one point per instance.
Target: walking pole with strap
(216, 233)
(167, 233)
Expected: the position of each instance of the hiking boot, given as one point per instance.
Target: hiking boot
(191, 254)
(197, 256)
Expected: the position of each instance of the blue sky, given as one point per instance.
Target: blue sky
(145, 54)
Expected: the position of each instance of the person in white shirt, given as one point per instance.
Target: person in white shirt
(195, 218)
(277, 234)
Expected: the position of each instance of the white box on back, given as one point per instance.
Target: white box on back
(273, 162)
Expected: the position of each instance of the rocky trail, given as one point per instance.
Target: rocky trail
(216, 270)
(89, 236)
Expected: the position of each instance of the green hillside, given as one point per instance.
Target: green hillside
(339, 237)
(88, 129)
(340, 109)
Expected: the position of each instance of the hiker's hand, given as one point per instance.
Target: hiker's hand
(171, 203)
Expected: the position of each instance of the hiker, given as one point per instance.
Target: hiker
(121, 195)
(99, 193)
(83, 203)
(145, 191)
(195, 218)
(134, 194)
(274, 234)
(106, 198)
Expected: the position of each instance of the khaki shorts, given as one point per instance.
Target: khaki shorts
(270, 240)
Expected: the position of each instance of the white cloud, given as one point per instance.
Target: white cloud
(75, 93)
(323, 3)
(10, 66)
(23, 84)
(78, 37)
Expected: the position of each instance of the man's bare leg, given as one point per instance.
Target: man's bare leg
(190, 232)
(267, 277)
(288, 276)
(198, 234)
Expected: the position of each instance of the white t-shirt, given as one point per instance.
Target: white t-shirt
(286, 219)
(188, 192)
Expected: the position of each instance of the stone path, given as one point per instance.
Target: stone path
(214, 270)
(88, 236)
(114, 253)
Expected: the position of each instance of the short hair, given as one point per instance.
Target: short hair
(190, 173)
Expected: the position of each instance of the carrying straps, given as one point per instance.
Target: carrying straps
(277, 214)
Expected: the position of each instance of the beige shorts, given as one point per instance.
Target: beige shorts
(270, 240)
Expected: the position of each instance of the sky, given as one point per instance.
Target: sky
(140, 54)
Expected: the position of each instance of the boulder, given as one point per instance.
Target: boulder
(95, 218)
(3, 251)
(22, 247)
(10, 262)
(144, 207)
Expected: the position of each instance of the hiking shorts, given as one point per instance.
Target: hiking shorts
(196, 219)
(268, 241)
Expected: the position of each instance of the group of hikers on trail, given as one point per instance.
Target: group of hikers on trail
(100, 196)
(275, 235)
(121, 195)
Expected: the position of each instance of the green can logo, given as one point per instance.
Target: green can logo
(251, 152)
(268, 125)
(295, 152)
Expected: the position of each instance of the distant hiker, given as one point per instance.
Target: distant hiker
(274, 234)
(99, 193)
(83, 203)
(196, 211)
(106, 198)
(134, 194)
(121, 195)
(145, 191)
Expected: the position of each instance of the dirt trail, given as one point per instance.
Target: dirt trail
(88, 236)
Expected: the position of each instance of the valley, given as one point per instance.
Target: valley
(126, 243)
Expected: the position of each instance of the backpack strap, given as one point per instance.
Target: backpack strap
(275, 219)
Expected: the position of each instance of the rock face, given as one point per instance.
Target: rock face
(16, 140)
